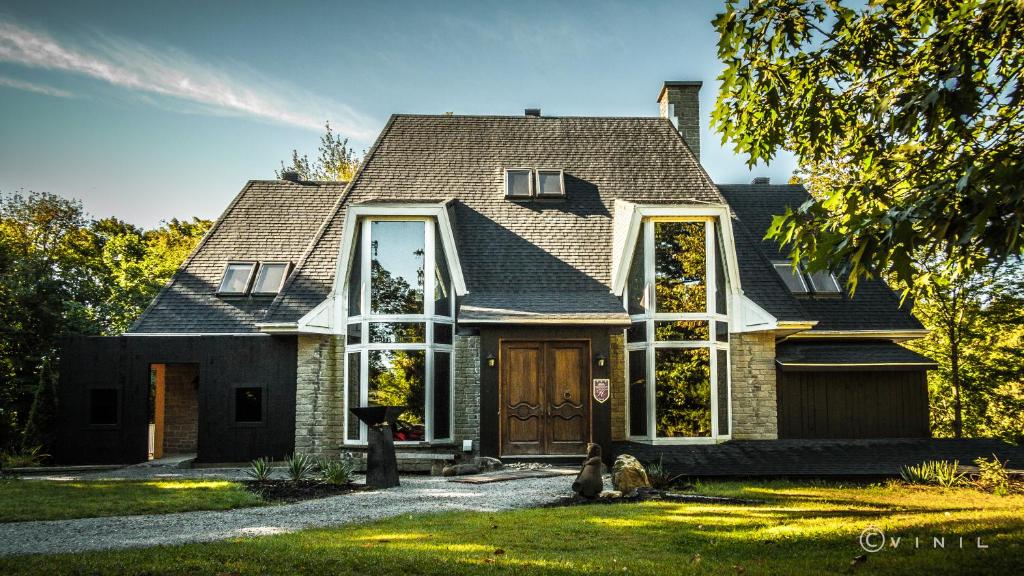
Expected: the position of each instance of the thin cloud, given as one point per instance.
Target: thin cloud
(172, 73)
(37, 88)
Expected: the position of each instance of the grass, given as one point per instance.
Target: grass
(799, 528)
(55, 500)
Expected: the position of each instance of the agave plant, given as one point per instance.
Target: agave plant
(259, 469)
(937, 472)
(659, 476)
(300, 466)
(337, 471)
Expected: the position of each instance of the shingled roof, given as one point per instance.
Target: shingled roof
(268, 221)
(874, 307)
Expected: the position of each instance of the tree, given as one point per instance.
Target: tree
(335, 160)
(40, 430)
(909, 117)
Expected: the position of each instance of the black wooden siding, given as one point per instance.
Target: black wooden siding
(856, 404)
(225, 362)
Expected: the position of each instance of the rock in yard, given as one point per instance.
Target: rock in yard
(628, 474)
(610, 494)
(487, 463)
(460, 470)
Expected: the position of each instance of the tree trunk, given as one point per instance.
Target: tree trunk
(954, 361)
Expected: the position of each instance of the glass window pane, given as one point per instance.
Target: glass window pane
(637, 332)
(355, 333)
(635, 283)
(396, 378)
(682, 386)
(721, 298)
(550, 182)
(823, 282)
(442, 280)
(680, 267)
(681, 330)
(103, 407)
(442, 395)
(791, 277)
(352, 394)
(248, 405)
(442, 333)
(398, 332)
(723, 391)
(518, 182)
(722, 331)
(396, 267)
(637, 393)
(236, 278)
(269, 278)
(355, 276)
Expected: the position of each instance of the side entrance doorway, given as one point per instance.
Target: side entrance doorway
(544, 397)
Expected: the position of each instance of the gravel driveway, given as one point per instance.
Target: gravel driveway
(417, 494)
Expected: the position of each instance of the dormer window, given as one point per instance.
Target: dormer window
(550, 183)
(519, 183)
(800, 281)
(237, 277)
(270, 278)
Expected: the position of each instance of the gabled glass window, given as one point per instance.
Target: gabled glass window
(677, 344)
(270, 277)
(399, 328)
(237, 277)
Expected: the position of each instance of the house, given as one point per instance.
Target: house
(522, 285)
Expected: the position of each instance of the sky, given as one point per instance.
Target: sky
(149, 111)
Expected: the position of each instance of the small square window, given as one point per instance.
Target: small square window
(519, 183)
(550, 183)
(823, 282)
(270, 278)
(248, 405)
(103, 407)
(237, 276)
(792, 277)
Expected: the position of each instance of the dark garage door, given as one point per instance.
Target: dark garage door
(854, 404)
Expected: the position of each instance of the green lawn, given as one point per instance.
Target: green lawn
(54, 500)
(799, 529)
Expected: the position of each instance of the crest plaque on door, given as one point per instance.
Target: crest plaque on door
(602, 389)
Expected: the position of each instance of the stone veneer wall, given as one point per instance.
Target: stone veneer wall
(754, 410)
(617, 374)
(686, 103)
(320, 395)
(466, 396)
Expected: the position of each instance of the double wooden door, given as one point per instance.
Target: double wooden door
(544, 397)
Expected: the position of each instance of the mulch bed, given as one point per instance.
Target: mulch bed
(292, 491)
(648, 496)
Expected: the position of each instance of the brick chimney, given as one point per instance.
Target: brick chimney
(679, 101)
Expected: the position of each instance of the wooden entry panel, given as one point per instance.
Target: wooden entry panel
(544, 397)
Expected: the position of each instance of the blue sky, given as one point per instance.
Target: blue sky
(148, 111)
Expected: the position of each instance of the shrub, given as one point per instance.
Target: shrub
(27, 457)
(41, 428)
(935, 472)
(337, 471)
(260, 469)
(660, 477)
(300, 466)
(992, 475)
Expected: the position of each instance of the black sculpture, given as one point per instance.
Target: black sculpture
(589, 483)
(381, 464)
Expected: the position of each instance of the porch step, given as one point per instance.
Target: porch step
(553, 459)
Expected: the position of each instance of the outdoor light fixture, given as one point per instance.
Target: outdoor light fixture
(599, 360)
(491, 361)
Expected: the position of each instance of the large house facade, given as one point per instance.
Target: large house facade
(522, 286)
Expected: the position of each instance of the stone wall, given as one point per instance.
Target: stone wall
(319, 395)
(754, 410)
(467, 391)
(617, 374)
(181, 408)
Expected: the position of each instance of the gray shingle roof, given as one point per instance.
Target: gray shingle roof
(846, 353)
(541, 247)
(268, 221)
(874, 307)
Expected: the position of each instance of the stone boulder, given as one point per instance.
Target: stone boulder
(629, 475)
(488, 464)
(460, 470)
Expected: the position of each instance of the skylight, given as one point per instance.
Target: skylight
(791, 276)
(519, 183)
(237, 276)
(800, 281)
(550, 183)
(270, 278)
(823, 282)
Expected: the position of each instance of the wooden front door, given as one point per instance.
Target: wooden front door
(544, 397)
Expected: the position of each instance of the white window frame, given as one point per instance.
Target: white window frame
(248, 281)
(650, 316)
(429, 317)
(259, 274)
(561, 183)
(529, 175)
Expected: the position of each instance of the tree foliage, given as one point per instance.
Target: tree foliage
(907, 117)
(334, 161)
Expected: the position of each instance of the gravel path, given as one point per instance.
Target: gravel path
(416, 495)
